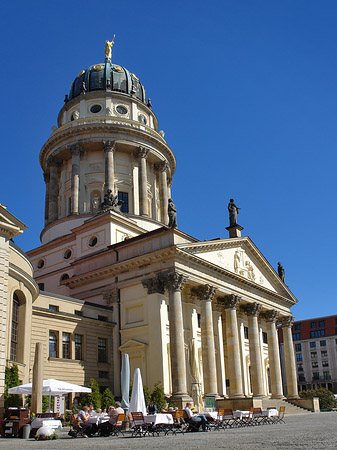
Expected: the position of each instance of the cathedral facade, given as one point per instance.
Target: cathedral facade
(115, 275)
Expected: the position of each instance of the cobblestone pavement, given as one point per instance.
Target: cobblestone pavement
(307, 431)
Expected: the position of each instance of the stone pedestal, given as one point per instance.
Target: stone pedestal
(234, 231)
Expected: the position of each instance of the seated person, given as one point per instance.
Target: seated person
(83, 417)
(151, 408)
(106, 427)
(198, 419)
(92, 412)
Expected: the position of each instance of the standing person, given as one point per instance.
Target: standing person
(83, 416)
(151, 408)
(196, 417)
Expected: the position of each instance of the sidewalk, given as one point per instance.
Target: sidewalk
(307, 431)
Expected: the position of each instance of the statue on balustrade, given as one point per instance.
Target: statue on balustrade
(111, 202)
(281, 271)
(172, 213)
(233, 212)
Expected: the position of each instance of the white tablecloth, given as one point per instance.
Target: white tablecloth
(211, 415)
(98, 419)
(158, 418)
(265, 412)
(51, 423)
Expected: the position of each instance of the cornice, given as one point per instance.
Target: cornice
(20, 275)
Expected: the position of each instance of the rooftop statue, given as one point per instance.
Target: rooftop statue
(233, 212)
(281, 271)
(172, 213)
(107, 50)
(111, 201)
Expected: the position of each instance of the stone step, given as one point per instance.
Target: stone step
(290, 408)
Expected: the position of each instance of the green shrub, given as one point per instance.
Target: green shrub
(11, 380)
(108, 399)
(326, 397)
(147, 394)
(93, 398)
(158, 396)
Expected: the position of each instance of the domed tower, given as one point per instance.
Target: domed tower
(106, 146)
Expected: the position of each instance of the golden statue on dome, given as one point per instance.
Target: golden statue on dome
(108, 47)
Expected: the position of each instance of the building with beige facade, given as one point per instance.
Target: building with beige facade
(111, 276)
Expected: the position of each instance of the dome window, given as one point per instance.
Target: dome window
(93, 241)
(142, 119)
(40, 264)
(67, 254)
(121, 109)
(65, 276)
(95, 109)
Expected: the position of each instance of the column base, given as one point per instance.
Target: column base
(180, 400)
(293, 397)
(278, 397)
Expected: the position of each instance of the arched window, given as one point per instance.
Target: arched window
(15, 328)
(65, 276)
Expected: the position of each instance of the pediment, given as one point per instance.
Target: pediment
(132, 344)
(242, 258)
(10, 226)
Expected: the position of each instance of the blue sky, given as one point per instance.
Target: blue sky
(245, 92)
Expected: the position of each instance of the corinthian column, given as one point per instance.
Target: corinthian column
(54, 164)
(109, 149)
(255, 350)
(46, 202)
(274, 355)
(163, 168)
(174, 282)
(289, 357)
(206, 294)
(233, 347)
(141, 154)
(75, 151)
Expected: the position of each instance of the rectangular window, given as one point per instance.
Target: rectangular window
(317, 333)
(324, 354)
(313, 325)
(103, 374)
(297, 337)
(323, 343)
(245, 331)
(66, 345)
(102, 350)
(315, 376)
(299, 357)
(264, 337)
(53, 308)
(297, 327)
(301, 377)
(124, 197)
(326, 375)
(298, 347)
(41, 286)
(199, 320)
(321, 324)
(15, 328)
(53, 351)
(299, 368)
(325, 363)
(78, 338)
(314, 354)
(314, 364)
(312, 344)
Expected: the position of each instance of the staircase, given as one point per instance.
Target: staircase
(290, 408)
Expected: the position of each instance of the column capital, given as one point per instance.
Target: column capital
(53, 161)
(109, 146)
(46, 177)
(142, 152)
(205, 292)
(75, 149)
(111, 296)
(230, 301)
(173, 280)
(287, 321)
(271, 316)
(162, 166)
(154, 285)
(253, 309)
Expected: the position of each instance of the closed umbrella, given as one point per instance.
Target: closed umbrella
(196, 384)
(137, 403)
(125, 382)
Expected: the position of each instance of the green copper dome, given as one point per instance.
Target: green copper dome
(107, 77)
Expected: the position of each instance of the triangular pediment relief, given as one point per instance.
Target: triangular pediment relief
(132, 344)
(242, 258)
(10, 226)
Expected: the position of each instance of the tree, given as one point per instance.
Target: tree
(147, 394)
(11, 380)
(94, 397)
(158, 396)
(326, 398)
(108, 399)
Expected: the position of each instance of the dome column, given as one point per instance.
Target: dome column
(141, 154)
(46, 203)
(109, 149)
(75, 151)
(54, 165)
(162, 167)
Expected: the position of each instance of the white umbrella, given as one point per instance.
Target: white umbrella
(137, 403)
(50, 387)
(125, 381)
(196, 384)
